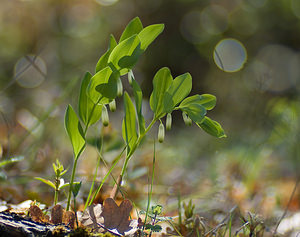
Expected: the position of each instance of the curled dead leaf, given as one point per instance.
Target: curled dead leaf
(110, 217)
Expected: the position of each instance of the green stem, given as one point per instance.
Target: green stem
(105, 177)
(55, 196)
(93, 183)
(135, 146)
(71, 183)
(57, 183)
(76, 158)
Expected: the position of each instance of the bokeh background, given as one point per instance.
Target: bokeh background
(245, 52)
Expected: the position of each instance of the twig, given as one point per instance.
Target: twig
(287, 206)
(245, 224)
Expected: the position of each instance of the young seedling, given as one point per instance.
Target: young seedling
(155, 216)
(59, 182)
(101, 89)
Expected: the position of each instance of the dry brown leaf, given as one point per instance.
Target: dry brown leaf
(68, 218)
(56, 214)
(111, 217)
(37, 214)
(91, 216)
(117, 217)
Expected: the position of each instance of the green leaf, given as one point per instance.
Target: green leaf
(65, 185)
(212, 127)
(206, 100)
(157, 209)
(46, 181)
(134, 27)
(75, 188)
(11, 160)
(149, 34)
(125, 55)
(89, 112)
(103, 86)
(102, 62)
(196, 112)
(74, 131)
(138, 97)
(180, 87)
(129, 123)
(154, 228)
(161, 82)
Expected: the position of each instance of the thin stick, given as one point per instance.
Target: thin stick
(287, 206)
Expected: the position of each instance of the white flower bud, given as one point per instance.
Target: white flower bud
(119, 88)
(112, 106)
(161, 133)
(186, 119)
(130, 77)
(169, 122)
(105, 118)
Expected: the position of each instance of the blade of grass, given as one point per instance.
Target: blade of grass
(95, 174)
(106, 176)
(151, 186)
(287, 206)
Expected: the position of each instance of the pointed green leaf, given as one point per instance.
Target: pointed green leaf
(212, 127)
(134, 27)
(195, 112)
(65, 185)
(11, 160)
(89, 113)
(129, 123)
(102, 63)
(206, 100)
(138, 97)
(48, 182)
(75, 188)
(180, 87)
(103, 86)
(74, 131)
(149, 34)
(161, 82)
(125, 55)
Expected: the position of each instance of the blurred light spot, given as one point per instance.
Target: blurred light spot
(29, 122)
(289, 224)
(79, 21)
(244, 22)
(30, 71)
(191, 28)
(295, 6)
(214, 19)
(277, 68)
(106, 2)
(230, 55)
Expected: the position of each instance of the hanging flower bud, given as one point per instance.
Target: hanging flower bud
(112, 106)
(105, 118)
(119, 88)
(169, 122)
(186, 119)
(130, 77)
(161, 133)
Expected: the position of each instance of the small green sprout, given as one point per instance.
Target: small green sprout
(155, 217)
(59, 182)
